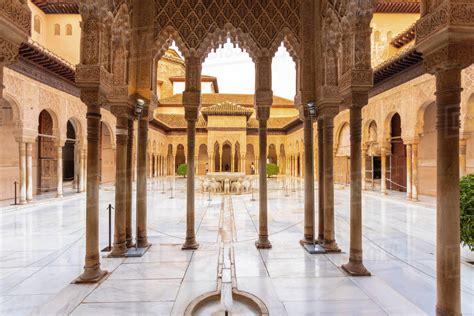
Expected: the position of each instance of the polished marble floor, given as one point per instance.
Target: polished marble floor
(42, 251)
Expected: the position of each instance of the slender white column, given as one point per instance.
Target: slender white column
(29, 172)
(414, 164)
(383, 182)
(462, 157)
(59, 171)
(409, 171)
(22, 166)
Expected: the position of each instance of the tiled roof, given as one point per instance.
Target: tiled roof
(209, 99)
(177, 121)
(226, 108)
(404, 38)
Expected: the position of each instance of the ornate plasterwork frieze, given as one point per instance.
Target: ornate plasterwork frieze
(17, 13)
(46, 77)
(449, 13)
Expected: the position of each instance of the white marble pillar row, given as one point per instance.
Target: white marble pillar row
(414, 166)
(383, 180)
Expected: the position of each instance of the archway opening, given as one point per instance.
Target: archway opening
(8, 167)
(236, 158)
(282, 163)
(272, 155)
(250, 160)
(217, 158)
(427, 153)
(180, 157)
(226, 157)
(397, 177)
(47, 157)
(343, 156)
(69, 154)
(203, 166)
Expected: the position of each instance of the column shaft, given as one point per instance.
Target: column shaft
(263, 242)
(120, 243)
(92, 271)
(190, 242)
(414, 163)
(462, 157)
(309, 181)
(129, 175)
(448, 279)
(141, 215)
(329, 233)
(59, 171)
(320, 182)
(383, 180)
(409, 171)
(22, 184)
(29, 172)
(355, 266)
(363, 165)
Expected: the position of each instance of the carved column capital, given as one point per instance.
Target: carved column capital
(452, 55)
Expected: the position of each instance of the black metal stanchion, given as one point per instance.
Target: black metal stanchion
(109, 247)
(253, 198)
(209, 196)
(15, 184)
(163, 191)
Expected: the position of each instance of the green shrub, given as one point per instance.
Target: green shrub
(467, 211)
(182, 170)
(272, 170)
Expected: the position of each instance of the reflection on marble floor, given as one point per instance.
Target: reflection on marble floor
(42, 251)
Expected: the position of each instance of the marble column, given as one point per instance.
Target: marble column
(92, 271)
(129, 188)
(263, 103)
(82, 183)
(263, 242)
(22, 165)
(141, 214)
(409, 171)
(414, 166)
(308, 180)
(320, 182)
(29, 172)
(462, 157)
(232, 157)
(355, 266)
(190, 242)
(192, 105)
(120, 243)
(383, 181)
(59, 172)
(330, 243)
(448, 274)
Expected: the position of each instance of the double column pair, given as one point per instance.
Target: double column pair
(326, 224)
(123, 236)
(26, 172)
(192, 104)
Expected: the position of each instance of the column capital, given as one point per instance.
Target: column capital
(450, 56)
(122, 111)
(263, 113)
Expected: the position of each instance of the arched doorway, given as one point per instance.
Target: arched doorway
(397, 177)
(170, 160)
(69, 154)
(180, 157)
(272, 155)
(107, 157)
(342, 157)
(250, 160)
(47, 158)
(203, 166)
(8, 167)
(282, 164)
(226, 157)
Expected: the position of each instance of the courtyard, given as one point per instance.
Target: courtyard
(42, 251)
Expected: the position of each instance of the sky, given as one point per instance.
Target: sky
(235, 71)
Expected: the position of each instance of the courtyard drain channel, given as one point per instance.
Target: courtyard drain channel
(226, 299)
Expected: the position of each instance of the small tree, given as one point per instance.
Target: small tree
(272, 170)
(467, 211)
(182, 170)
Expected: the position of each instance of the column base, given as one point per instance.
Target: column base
(331, 246)
(143, 242)
(59, 195)
(444, 312)
(91, 276)
(130, 242)
(22, 203)
(308, 241)
(355, 269)
(263, 243)
(118, 250)
(190, 244)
